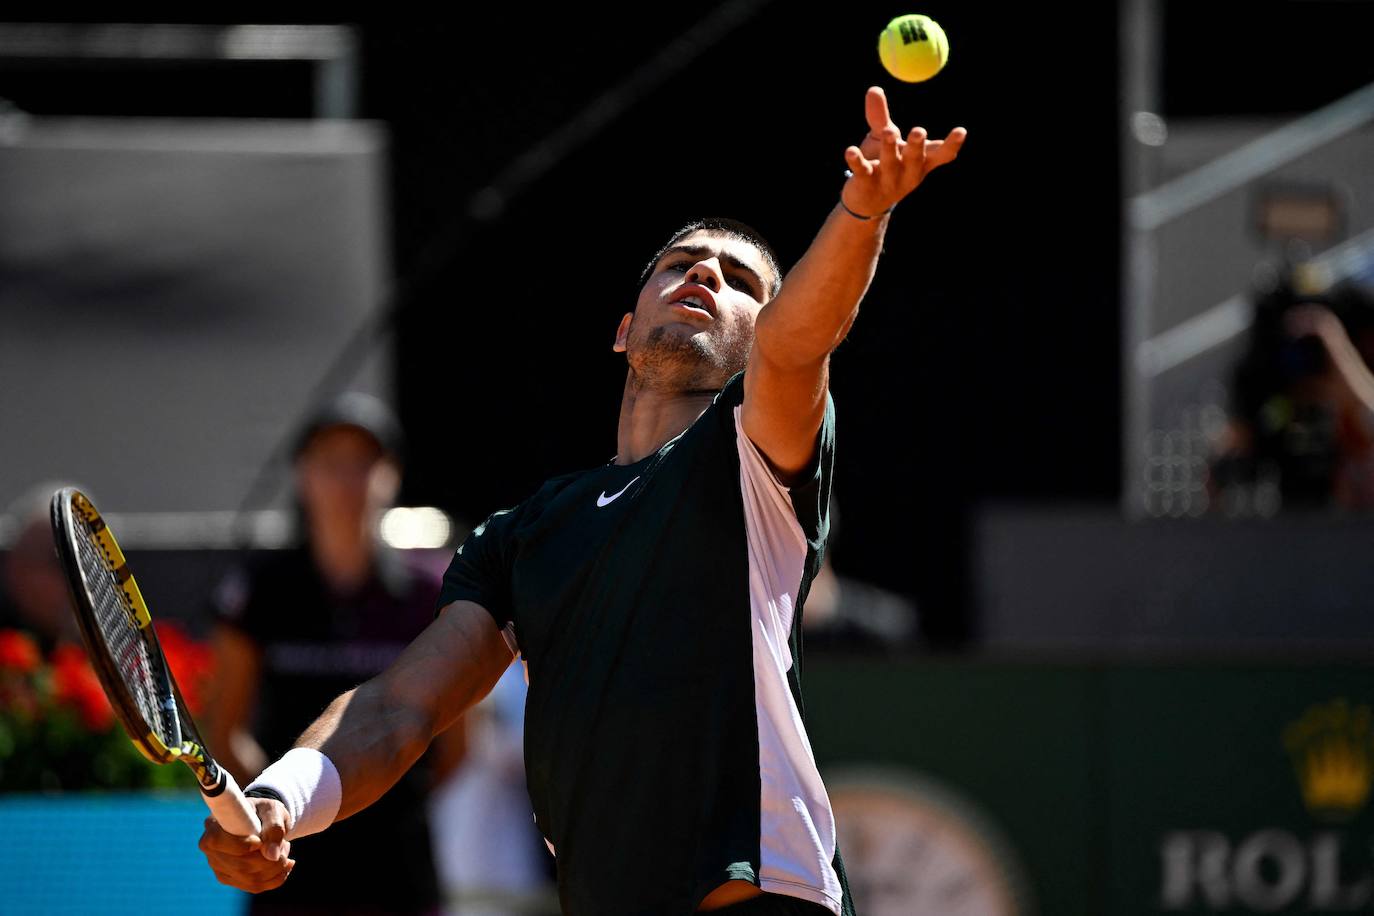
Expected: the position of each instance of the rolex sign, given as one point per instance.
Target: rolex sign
(1324, 867)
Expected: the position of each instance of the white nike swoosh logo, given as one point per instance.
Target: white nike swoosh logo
(604, 500)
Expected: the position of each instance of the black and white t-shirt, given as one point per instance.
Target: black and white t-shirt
(657, 606)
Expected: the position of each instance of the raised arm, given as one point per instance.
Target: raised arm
(373, 734)
(786, 380)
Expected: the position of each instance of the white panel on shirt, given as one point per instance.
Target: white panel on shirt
(797, 832)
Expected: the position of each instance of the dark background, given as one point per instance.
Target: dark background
(986, 363)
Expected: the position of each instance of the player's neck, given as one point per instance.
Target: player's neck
(651, 415)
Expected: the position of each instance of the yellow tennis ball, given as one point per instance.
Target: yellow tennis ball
(913, 48)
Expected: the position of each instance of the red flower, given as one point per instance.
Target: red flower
(19, 652)
(192, 663)
(75, 684)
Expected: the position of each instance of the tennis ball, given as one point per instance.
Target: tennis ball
(913, 48)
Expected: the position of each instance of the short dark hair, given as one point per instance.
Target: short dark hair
(731, 228)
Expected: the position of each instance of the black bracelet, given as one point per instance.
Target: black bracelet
(860, 215)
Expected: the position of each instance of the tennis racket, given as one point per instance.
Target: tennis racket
(128, 659)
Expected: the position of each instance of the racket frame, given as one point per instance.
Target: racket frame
(71, 509)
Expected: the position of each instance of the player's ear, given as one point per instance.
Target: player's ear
(622, 333)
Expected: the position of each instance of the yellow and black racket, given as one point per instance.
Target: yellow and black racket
(128, 659)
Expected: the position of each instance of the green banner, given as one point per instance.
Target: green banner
(986, 788)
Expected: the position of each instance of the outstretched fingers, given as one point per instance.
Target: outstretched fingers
(914, 156)
(943, 152)
(889, 158)
(895, 166)
(876, 112)
(858, 162)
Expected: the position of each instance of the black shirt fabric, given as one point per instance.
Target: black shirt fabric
(627, 590)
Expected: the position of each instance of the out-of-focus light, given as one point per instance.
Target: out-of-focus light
(286, 42)
(273, 530)
(154, 41)
(417, 527)
(1149, 128)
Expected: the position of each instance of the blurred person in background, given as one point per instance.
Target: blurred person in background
(491, 859)
(845, 614)
(1304, 402)
(299, 626)
(33, 588)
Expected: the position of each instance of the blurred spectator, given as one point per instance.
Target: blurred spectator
(1304, 402)
(33, 588)
(301, 626)
(847, 614)
(491, 859)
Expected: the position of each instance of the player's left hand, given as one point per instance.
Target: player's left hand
(887, 168)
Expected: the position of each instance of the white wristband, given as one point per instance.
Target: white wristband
(309, 785)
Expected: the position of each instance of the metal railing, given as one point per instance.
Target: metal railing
(332, 49)
(1147, 356)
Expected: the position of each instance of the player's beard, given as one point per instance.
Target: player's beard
(667, 359)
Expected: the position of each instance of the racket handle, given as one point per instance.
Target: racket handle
(230, 808)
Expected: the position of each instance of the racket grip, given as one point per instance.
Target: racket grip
(230, 808)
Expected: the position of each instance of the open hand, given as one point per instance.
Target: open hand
(887, 168)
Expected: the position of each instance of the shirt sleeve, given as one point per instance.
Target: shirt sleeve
(811, 491)
(480, 570)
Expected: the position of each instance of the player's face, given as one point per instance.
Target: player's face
(698, 306)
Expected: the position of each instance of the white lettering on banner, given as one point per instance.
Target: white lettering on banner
(1265, 872)
(354, 659)
(1327, 893)
(1196, 860)
(1289, 868)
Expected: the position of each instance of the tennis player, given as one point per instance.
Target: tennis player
(655, 600)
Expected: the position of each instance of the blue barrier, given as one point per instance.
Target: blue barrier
(107, 853)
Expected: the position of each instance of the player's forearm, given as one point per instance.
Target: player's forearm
(372, 738)
(820, 296)
(371, 735)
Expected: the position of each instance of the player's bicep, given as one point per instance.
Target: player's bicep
(782, 412)
(450, 666)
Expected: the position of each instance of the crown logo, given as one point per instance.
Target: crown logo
(1332, 747)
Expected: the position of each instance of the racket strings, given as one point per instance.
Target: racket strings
(125, 640)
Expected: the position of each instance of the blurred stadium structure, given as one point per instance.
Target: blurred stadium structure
(226, 261)
(1164, 698)
(1234, 208)
(1222, 213)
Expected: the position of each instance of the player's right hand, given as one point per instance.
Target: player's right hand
(252, 863)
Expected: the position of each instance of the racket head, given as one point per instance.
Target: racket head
(117, 628)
